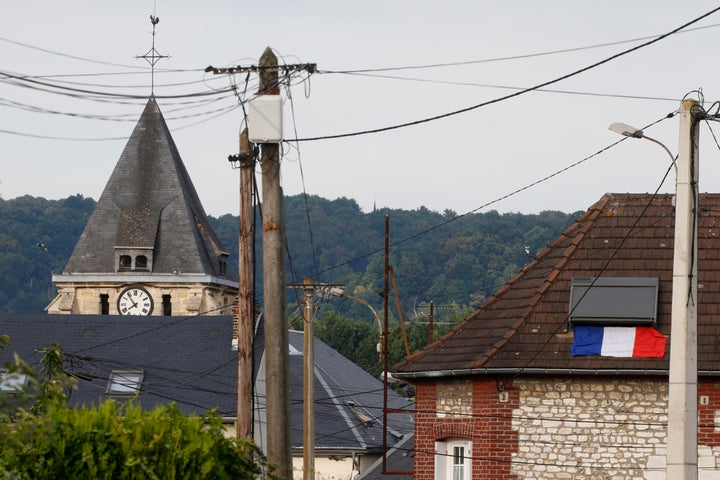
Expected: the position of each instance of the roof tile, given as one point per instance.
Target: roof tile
(524, 324)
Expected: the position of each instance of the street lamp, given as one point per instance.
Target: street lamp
(628, 131)
(681, 463)
(339, 292)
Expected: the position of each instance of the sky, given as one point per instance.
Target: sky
(379, 64)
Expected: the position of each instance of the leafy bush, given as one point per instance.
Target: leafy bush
(111, 440)
(114, 441)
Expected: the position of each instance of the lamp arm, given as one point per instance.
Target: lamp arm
(360, 300)
(672, 157)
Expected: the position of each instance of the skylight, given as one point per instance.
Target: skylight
(12, 382)
(614, 300)
(124, 382)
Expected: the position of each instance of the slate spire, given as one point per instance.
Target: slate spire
(149, 204)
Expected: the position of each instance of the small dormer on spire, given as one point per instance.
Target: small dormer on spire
(152, 56)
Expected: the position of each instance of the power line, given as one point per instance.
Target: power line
(508, 87)
(66, 55)
(302, 177)
(492, 202)
(512, 95)
(21, 80)
(514, 57)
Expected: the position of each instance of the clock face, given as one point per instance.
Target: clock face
(135, 301)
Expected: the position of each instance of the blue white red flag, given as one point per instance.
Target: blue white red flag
(638, 342)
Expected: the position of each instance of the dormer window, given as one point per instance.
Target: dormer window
(222, 264)
(133, 259)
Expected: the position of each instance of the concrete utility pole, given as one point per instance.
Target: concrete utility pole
(246, 300)
(277, 359)
(682, 391)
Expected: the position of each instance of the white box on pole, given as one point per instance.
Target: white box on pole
(265, 119)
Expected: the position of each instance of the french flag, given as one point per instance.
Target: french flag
(638, 342)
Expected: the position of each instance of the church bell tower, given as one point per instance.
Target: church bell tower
(148, 248)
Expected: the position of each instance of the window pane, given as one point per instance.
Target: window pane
(458, 468)
(124, 382)
(12, 382)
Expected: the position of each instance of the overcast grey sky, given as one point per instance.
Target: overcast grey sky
(460, 162)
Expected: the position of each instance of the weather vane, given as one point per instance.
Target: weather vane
(153, 56)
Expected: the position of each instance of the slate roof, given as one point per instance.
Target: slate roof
(345, 395)
(189, 361)
(149, 202)
(524, 324)
(399, 458)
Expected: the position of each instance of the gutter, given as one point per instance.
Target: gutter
(345, 451)
(541, 371)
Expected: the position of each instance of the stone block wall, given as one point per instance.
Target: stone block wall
(596, 428)
(560, 428)
(187, 299)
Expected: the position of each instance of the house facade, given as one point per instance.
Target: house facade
(503, 396)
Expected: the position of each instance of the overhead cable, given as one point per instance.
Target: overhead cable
(512, 95)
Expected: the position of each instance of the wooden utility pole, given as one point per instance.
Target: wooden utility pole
(430, 322)
(399, 308)
(309, 381)
(277, 359)
(246, 300)
(385, 352)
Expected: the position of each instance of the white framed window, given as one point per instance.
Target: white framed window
(126, 382)
(453, 459)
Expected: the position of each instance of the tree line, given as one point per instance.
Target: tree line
(455, 261)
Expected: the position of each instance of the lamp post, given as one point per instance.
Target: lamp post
(309, 310)
(628, 131)
(309, 381)
(681, 463)
(339, 292)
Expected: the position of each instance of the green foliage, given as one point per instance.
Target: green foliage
(110, 441)
(37, 237)
(358, 340)
(355, 340)
(436, 256)
(453, 260)
(115, 441)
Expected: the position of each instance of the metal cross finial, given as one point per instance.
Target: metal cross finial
(153, 56)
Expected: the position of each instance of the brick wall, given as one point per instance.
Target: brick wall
(486, 422)
(560, 428)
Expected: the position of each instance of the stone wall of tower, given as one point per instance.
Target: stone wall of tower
(186, 300)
